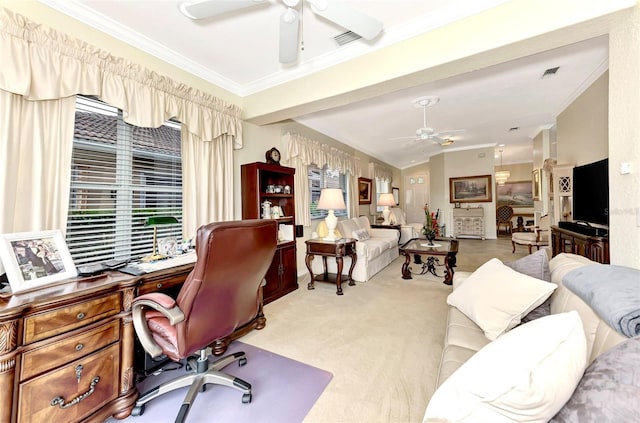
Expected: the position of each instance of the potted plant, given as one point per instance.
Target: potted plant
(429, 227)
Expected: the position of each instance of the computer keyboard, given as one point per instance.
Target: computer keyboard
(141, 268)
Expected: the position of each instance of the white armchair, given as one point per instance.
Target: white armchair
(407, 230)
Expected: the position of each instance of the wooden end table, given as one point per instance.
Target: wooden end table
(419, 246)
(338, 249)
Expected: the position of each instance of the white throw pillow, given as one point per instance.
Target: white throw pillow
(361, 234)
(526, 375)
(496, 297)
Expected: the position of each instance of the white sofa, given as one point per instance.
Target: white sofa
(463, 338)
(407, 230)
(374, 254)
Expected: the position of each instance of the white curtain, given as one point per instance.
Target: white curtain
(208, 174)
(35, 162)
(378, 171)
(302, 152)
(41, 64)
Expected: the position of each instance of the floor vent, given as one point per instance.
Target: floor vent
(346, 38)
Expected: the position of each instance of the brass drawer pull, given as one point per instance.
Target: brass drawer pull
(79, 347)
(60, 401)
(80, 316)
(159, 285)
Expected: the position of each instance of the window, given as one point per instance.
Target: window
(325, 178)
(120, 175)
(382, 187)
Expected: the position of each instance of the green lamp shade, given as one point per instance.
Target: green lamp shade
(160, 220)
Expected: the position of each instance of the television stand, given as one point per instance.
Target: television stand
(593, 247)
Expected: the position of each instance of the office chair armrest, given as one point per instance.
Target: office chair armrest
(163, 304)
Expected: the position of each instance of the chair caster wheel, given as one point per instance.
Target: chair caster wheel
(246, 398)
(242, 361)
(138, 410)
(191, 365)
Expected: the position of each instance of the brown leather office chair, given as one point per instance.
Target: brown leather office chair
(222, 293)
(504, 214)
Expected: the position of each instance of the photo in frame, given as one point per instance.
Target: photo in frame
(35, 259)
(396, 195)
(515, 194)
(536, 184)
(364, 191)
(470, 189)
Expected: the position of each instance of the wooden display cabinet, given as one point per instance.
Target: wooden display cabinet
(274, 183)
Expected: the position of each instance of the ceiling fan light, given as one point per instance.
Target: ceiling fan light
(319, 5)
(291, 3)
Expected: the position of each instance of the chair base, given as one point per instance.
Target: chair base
(202, 374)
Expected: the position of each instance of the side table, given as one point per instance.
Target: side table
(338, 249)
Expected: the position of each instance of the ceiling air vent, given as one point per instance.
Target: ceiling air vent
(550, 72)
(346, 38)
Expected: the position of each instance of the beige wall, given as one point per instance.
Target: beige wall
(583, 127)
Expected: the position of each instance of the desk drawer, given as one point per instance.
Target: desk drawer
(55, 354)
(36, 396)
(62, 320)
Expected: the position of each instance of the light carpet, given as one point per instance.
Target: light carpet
(283, 391)
(382, 340)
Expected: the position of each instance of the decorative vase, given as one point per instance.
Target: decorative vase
(430, 237)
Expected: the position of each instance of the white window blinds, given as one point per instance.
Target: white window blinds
(325, 178)
(120, 175)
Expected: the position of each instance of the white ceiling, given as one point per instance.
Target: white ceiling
(239, 52)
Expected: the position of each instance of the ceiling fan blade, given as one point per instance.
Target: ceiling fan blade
(448, 132)
(413, 137)
(289, 34)
(347, 17)
(207, 8)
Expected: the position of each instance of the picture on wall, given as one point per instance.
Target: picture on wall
(35, 259)
(537, 184)
(470, 189)
(364, 191)
(515, 194)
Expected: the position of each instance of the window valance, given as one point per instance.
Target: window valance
(378, 171)
(43, 64)
(309, 151)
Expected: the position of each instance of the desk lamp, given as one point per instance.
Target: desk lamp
(156, 221)
(386, 200)
(331, 199)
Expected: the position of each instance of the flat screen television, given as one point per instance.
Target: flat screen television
(591, 193)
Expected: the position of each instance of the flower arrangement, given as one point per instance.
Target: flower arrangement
(430, 227)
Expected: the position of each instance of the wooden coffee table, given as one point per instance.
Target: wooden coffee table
(442, 248)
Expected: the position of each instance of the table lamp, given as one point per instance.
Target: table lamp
(386, 200)
(156, 221)
(331, 199)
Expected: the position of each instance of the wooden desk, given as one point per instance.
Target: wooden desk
(60, 342)
(77, 338)
(338, 249)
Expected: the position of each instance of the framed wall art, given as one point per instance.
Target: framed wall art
(536, 184)
(396, 195)
(514, 194)
(470, 189)
(364, 191)
(35, 259)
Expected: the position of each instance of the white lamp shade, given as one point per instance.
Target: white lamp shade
(386, 200)
(331, 199)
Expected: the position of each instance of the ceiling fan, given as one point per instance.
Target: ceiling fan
(426, 133)
(333, 10)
